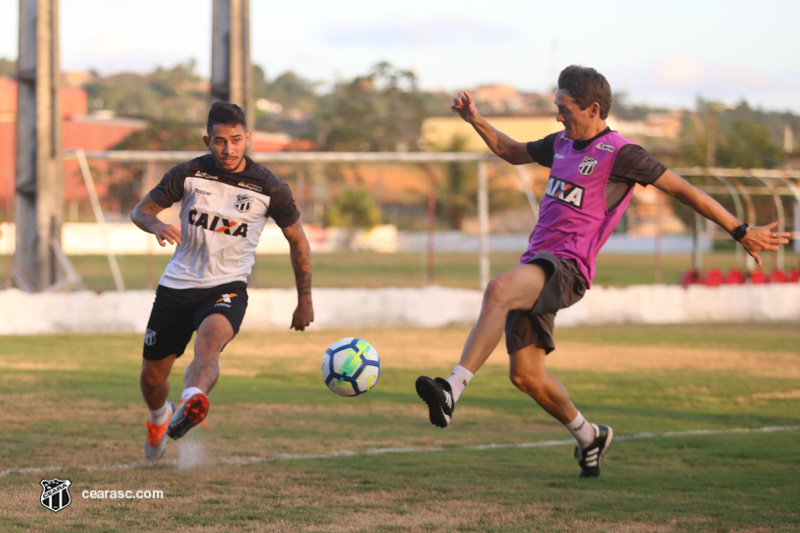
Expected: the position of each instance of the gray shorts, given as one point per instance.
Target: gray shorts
(564, 286)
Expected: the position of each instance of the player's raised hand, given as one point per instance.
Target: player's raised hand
(465, 107)
(764, 238)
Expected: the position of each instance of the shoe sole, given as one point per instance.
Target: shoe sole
(195, 410)
(154, 453)
(432, 395)
(600, 456)
(608, 443)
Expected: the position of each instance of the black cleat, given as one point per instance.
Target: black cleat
(439, 397)
(590, 458)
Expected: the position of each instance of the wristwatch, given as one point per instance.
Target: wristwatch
(739, 233)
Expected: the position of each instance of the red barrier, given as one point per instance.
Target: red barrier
(690, 277)
(734, 277)
(776, 276)
(713, 277)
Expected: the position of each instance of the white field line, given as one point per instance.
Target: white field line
(380, 451)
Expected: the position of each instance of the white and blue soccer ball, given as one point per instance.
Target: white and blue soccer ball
(350, 366)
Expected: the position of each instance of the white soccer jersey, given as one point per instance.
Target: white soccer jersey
(222, 216)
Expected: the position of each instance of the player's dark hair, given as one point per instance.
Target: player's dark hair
(586, 86)
(225, 113)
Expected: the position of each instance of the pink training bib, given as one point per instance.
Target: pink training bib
(574, 222)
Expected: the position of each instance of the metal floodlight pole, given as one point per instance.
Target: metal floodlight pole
(39, 188)
(231, 70)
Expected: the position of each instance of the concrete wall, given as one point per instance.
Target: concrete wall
(127, 312)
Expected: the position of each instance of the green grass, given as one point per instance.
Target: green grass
(73, 402)
(370, 269)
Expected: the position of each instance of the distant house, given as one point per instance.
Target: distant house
(437, 132)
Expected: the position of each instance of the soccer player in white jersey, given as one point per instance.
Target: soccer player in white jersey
(226, 199)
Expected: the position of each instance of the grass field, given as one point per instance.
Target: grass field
(689, 406)
(370, 269)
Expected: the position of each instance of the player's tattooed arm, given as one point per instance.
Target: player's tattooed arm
(300, 254)
(144, 215)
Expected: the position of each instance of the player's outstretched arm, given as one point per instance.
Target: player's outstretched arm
(300, 255)
(498, 142)
(757, 239)
(144, 215)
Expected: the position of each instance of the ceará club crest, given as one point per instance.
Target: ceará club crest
(55, 494)
(587, 165)
(243, 203)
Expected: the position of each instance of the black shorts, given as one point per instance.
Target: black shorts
(564, 286)
(177, 313)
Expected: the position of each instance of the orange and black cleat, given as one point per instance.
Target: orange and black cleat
(190, 412)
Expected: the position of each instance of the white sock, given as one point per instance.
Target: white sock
(458, 380)
(582, 430)
(189, 391)
(159, 416)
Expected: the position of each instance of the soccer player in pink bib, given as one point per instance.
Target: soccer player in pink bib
(593, 171)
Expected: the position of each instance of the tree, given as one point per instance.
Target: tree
(164, 135)
(621, 109)
(693, 142)
(177, 94)
(353, 209)
(293, 92)
(260, 85)
(748, 144)
(382, 111)
(735, 138)
(295, 99)
(456, 198)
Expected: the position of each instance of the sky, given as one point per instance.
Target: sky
(664, 54)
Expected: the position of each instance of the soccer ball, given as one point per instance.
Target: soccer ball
(350, 366)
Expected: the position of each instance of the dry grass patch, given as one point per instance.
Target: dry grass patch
(577, 356)
(248, 354)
